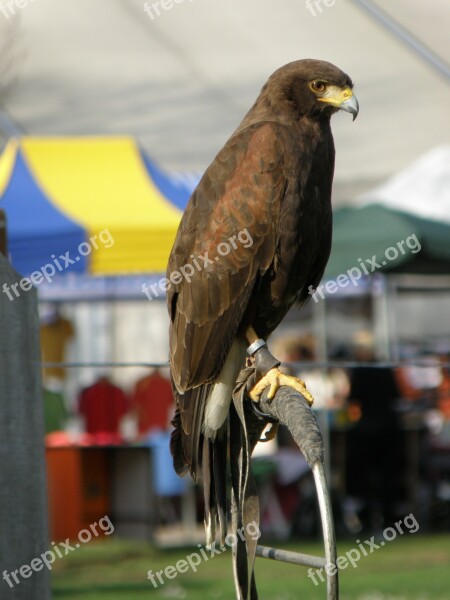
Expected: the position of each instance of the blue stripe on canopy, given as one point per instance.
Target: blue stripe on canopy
(177, 192)
(34, 219)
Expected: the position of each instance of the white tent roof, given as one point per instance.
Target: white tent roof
(180, 82)
(422, 189)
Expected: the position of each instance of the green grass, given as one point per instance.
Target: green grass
(411, 567)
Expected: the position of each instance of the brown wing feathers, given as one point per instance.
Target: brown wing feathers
(241, 191)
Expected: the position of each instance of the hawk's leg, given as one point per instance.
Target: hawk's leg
(267, 365)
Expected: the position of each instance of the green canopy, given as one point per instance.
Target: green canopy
(392, 240)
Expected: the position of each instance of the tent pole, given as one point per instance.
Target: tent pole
(381, 316)
(3, 236)
(405, 36)
(320, 329)
(391, 298)
(320, 333)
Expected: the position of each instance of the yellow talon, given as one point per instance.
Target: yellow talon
(275, 379)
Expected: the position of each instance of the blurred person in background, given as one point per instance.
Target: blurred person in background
(373, 446)
(328, 386)
(443, 392)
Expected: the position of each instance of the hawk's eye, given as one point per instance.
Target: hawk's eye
(318, 86)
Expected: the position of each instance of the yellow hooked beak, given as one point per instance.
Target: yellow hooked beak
(344, 99)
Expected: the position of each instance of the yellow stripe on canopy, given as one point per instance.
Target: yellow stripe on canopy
(102, 184)
(7, 162)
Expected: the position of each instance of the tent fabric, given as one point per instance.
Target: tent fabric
(61, 192)
(378, 233)
(58, 193)
(36, 228)
(415, 202)
(360, 234)
(422, 189)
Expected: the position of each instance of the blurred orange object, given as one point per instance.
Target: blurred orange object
(78, 487)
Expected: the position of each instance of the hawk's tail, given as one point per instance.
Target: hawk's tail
(214, 473)
(180, 464)
(211, 468)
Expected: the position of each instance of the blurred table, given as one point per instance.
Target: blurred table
(85, 483)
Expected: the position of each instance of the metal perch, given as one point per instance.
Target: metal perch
(291, 409)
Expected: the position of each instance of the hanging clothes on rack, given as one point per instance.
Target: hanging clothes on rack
(153, 402)
(103, 405)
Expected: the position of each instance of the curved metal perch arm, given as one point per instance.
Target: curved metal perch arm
(292, 410)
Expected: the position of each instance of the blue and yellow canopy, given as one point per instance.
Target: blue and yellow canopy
(59, 193)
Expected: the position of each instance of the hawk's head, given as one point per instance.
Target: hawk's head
(314, 87)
